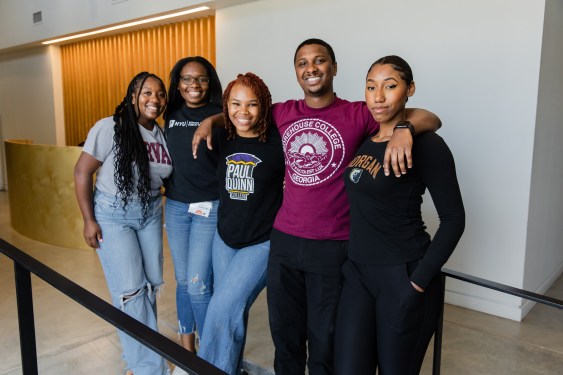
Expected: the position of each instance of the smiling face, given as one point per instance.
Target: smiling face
(315, 70)
(244, 110)
(195, 94)
(149, 102)
(387, 93)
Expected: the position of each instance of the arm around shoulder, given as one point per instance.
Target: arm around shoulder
(423, 120)
(398, 153)
(205, 131)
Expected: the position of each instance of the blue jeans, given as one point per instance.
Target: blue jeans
(131, 257)
(240, 275)
(190, 238)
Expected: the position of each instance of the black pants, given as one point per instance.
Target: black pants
(382, 321)
(303, 289)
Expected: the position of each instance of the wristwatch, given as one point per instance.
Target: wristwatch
(404, 124)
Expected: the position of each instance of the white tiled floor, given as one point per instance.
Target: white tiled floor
(71, 340)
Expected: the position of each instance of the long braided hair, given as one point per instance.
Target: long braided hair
(130, 151)
(262, 92)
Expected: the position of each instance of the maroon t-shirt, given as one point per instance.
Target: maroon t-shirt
(318, 144)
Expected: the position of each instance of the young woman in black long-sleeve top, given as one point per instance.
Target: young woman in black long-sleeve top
(391, 299)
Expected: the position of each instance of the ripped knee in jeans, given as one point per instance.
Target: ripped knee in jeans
(149, 289)
(154, 289)
(196, 281)
(124, 298)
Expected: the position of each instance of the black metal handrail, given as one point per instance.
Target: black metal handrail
(553, 302)
(24, 265)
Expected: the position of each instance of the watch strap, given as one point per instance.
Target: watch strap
(404, 124)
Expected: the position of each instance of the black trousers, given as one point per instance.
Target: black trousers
(303, 289)
(382, 321)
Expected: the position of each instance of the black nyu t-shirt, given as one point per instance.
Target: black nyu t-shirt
(192, 180)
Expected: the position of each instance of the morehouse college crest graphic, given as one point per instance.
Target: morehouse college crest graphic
(239, 180)
(314, 151)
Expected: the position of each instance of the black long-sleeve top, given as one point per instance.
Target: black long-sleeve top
(386, 226)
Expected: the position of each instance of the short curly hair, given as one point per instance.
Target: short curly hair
(257, 85)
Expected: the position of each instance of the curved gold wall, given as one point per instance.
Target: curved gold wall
(43, 205)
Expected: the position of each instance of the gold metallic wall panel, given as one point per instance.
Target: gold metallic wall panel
(96, 72)
(43, 205)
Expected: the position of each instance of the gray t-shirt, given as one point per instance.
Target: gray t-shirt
(99, 145)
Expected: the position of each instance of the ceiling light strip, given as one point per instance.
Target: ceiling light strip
(129, 24)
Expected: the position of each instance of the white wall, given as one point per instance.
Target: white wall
(27, 100)
(27, 95)
(476, 65)
(544, 256)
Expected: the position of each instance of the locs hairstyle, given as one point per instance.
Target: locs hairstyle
(320, 42)
(262, 92)
(175, 99)
(129, 147)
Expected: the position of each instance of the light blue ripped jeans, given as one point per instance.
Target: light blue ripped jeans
(190, 238)
(131, 257)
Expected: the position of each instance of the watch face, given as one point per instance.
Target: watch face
(404, 124)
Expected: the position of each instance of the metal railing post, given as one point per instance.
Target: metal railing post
(437, 359)
(24, 299)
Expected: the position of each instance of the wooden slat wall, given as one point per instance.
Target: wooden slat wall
(96, 72)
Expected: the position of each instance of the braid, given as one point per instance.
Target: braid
(262, 92)
(130, 151)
